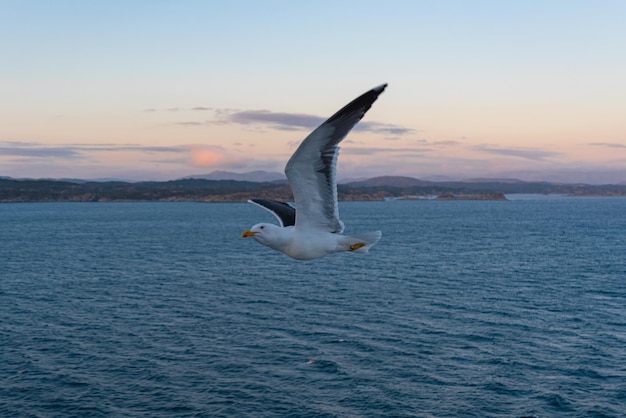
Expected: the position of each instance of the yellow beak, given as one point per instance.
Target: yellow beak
(247, 234)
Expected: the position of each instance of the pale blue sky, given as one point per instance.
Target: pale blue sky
(476, 88)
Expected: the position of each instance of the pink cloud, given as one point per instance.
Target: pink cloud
(206, 157)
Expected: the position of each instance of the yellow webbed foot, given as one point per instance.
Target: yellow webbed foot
(354, 247)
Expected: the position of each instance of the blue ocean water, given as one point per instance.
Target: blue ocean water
(464, 308)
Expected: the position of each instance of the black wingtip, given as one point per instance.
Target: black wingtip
(282, 210)
(380, 88)
(360, 105)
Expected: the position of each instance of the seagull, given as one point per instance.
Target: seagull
(313, 229)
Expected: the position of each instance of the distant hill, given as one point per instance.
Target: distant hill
(393, 181)
(409, 186)
(569, 176)
(200, 190)
(493, 180)
(176, 190)
(257, 176)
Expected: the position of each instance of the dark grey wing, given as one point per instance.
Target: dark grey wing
(285, 213)
(311, 169)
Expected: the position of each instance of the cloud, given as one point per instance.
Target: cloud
(192, 123)
(129, 148)
(449, 143)
(210, 156)
(376, 151)
(31, 150)
(72, 151)
(202, 157)
(529, 154)
(282, 121)
(178, 109)
(28, 159)
(383, 128)
(608, 144)
(445, 143)
(141, 148)
(300, 121)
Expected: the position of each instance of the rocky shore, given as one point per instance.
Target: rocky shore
(481, 196)
(199, 190)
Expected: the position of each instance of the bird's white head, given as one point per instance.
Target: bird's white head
(273, 236)
(261, 232)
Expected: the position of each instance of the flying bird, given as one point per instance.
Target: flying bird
(313, 229)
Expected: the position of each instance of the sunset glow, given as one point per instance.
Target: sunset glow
(160, 90)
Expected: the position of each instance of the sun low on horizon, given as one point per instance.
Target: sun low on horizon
(161, 90)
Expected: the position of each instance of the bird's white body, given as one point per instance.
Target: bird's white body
(313, 229)
(310, 244)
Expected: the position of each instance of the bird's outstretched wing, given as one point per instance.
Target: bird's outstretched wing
(311, 169)
(285, 213)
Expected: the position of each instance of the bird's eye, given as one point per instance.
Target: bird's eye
(262, 227)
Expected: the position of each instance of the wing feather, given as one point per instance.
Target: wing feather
(285, 213)
(311, 170)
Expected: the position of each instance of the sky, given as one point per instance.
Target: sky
(159, 90)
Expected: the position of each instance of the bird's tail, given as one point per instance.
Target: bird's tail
(360, 243)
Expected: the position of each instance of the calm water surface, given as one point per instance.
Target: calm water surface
(473, 309)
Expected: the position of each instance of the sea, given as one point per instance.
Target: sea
(464, 309)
